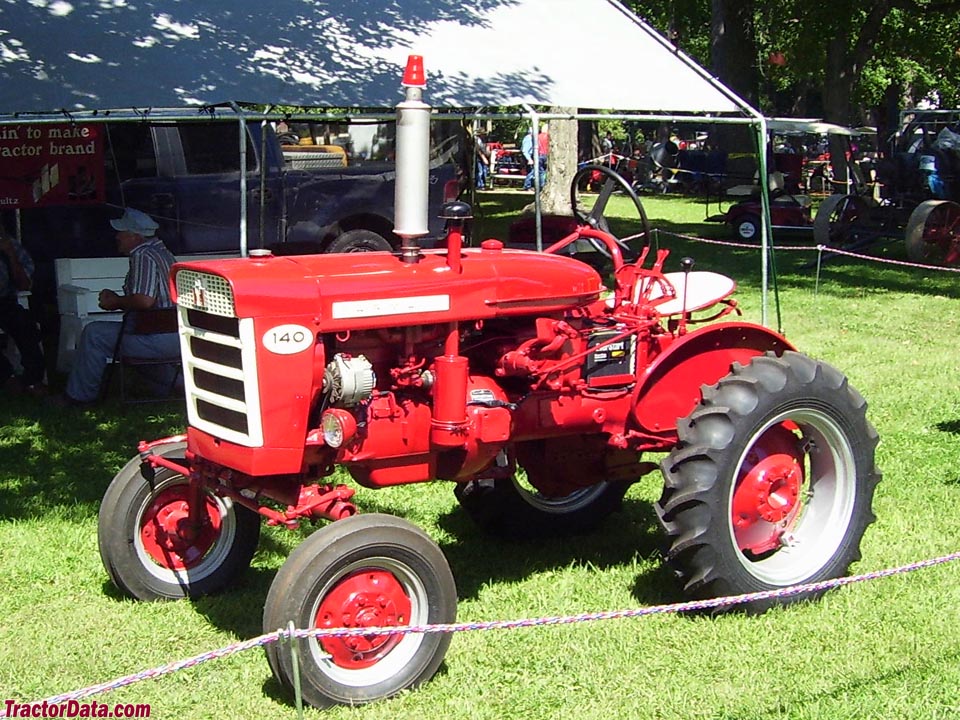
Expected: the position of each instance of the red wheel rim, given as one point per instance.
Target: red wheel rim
(167, 534)
(365, 598)
(942, 229)
(767, 499)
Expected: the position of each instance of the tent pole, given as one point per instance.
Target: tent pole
(243, 179)
(535, 129)
(766, 228)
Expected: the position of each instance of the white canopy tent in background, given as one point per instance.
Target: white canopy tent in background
(80, 58)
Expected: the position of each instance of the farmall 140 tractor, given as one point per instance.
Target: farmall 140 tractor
(518, 377)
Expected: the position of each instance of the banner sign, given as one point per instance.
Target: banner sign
(59, 164)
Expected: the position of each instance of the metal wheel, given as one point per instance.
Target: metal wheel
(514, 507)
(772, 482)
(933, 233)
(507, 508)
(837, 218)
(595, 216)
(150, 550)
(363, 571)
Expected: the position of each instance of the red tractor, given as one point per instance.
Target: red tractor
(518, 377)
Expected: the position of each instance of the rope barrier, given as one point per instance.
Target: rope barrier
(291, 633)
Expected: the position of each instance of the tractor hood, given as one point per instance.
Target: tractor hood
(371, 290)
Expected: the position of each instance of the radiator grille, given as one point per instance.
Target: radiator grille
(220, 361)
(203, 291)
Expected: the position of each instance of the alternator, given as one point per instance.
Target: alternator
(348, 380)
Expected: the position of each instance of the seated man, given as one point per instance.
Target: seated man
(16, 274)
(145, 288)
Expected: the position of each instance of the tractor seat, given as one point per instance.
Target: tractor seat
(779, 194)
(705, 290)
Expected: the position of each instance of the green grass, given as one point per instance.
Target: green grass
(885, 649)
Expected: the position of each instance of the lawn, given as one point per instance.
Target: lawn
(883, 649)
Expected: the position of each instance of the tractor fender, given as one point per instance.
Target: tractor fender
(670, 387)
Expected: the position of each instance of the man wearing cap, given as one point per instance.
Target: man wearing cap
(144, 288)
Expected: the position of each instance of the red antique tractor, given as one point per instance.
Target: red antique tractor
(518, 377)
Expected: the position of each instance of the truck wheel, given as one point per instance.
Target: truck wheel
(358, 241)
(145, 550)
(772, 482)
(363, 571)
(505, 508)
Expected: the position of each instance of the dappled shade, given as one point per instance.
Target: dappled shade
(96, 54)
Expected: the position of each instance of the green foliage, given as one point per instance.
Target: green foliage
(915, 55)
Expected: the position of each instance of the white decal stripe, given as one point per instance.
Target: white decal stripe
(390, 306)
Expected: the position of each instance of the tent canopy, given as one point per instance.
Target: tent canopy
(108, 54)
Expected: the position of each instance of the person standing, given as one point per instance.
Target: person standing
(16, 275)
(145, 287)
(483, 161)
(542, 143)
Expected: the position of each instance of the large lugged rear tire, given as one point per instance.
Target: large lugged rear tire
(363, 571)
(772, 481)
(147, 548)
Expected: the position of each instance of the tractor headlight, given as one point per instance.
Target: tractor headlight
(338, 427)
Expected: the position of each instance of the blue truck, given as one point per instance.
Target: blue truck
(185, 173)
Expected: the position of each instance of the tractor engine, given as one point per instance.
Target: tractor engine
(427, 376)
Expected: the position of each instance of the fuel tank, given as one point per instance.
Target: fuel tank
(354, 291)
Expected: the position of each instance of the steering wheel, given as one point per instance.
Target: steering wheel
(596, 219)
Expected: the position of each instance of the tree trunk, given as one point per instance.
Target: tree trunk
(561, 166)
(733, 48)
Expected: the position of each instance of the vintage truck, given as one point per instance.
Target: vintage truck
(185, 173)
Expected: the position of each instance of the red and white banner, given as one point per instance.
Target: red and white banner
(60, 164)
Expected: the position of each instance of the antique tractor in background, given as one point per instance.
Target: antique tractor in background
(917, 198)
(518, 377)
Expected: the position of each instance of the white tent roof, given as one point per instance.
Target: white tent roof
(806, 126)
(105, 54)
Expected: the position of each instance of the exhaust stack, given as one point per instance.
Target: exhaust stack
(413, 162)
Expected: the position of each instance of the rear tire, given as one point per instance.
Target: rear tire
(363, 571)
(358, 241)
(772, 481)
(504, 508)
(747, 227)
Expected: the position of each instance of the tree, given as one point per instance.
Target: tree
(562, 164)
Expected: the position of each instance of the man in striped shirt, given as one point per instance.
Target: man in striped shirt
(145, 288)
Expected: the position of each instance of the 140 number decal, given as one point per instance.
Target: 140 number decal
(288, 339)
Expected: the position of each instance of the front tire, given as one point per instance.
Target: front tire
(772, 481)
(146, 548)
(363, 571)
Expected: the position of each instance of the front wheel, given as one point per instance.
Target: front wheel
(148, 547)
(772, 481)
(360, 572)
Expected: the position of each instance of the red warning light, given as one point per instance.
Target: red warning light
(413, 76)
